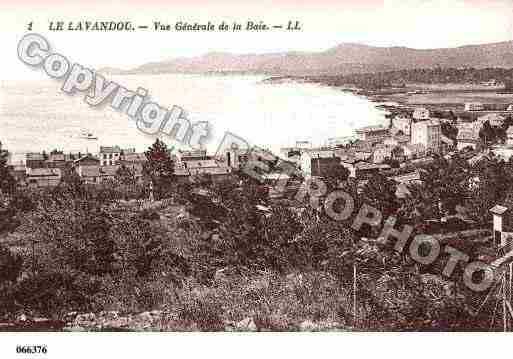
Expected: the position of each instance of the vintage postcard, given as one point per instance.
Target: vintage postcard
(330, 167)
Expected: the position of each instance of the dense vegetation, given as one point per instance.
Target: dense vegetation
(437, 75)
(212, 252)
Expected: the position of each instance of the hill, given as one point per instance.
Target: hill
(343, 59)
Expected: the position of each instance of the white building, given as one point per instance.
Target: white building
(427, 133)
(502, 229)
(509, 134)
(402, 124)
(421, 114)
(474, 106)
(467, 138)
(43, 177)
(109, 156)
(303, 144)
(372, 133)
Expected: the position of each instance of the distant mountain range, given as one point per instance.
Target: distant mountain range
(343, 59)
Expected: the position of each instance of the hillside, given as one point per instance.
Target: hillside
(345, 58)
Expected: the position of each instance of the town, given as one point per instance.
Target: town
(410, 139)
(444, 174)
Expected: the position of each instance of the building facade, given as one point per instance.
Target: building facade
(428, 134)
(372, 133)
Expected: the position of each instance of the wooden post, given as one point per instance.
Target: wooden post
(508, 284)
(509, 279)
(504, 314)
(354, 296)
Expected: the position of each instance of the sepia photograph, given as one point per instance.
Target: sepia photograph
(242, 176)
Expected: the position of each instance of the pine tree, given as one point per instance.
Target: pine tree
(160, 167)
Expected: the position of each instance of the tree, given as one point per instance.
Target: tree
(379, 192)
(10, 265)
(7, 190)
(449, 130)
(487, 133)
(125, 175)
(7, 181)
(487, 185)
(159, 168)
(417, 206)
(335, 175)
(397, 153)
(446, 182)
(72, 181)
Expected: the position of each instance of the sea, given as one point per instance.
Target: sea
(38, 116)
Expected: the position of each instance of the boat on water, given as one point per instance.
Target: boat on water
(87, 136)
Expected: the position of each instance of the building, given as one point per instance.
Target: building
(56, 160)
(509, 136)
(95, 174)
(35, 160)
(109, 155)
(372, 133)
(365, 170)
(192, 155)
(467, 138)
(396, 140)
(324, 166)
(43, 177)
(304, 145)
(90, 174)
(421, 114)
(209, 167)
(86, 160)
(427, 133)
(339, 141)
(381, 153)
(361, 169)
(402, 124)
(133, 157)
(474, 106)
(235, 158)
(502, 226)
(307, 160)
(494, 119)
(413, 151)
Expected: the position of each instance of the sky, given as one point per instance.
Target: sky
(325, 24)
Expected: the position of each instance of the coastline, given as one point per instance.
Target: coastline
(399, 100)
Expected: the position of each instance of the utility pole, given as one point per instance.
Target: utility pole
(152, 196)
(504, 313)
(354, 296)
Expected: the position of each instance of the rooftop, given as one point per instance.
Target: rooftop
(467, 134)
(87, 157)
(429, 123)
(44, 172)
(371, 129)
(498, 209)
(370, 166)
(110, 149)
(35, 157)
